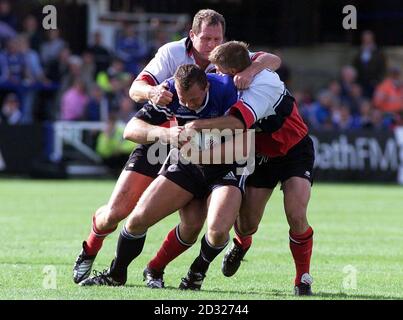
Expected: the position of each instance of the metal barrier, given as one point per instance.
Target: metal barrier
(71, 133)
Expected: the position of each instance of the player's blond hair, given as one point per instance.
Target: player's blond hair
(231, 55)
(209, 17)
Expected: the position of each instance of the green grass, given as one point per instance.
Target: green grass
(44, 222)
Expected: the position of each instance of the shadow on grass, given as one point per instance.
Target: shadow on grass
(286, 295)
(342, 295)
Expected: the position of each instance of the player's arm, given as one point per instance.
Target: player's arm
(264, 60)
(239, 145)
(152, 123)
(142, 91)
(149, 86)
(260, 61)
(140, 131)
(231, 122)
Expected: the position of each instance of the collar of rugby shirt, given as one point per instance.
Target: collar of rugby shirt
(206, 99)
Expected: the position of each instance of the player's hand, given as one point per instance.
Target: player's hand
(242, 80)
(192, 125)
(160, 95)
(171, 136)
(177, 136)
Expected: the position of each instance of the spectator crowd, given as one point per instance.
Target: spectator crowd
(367, 95)
(42, 79)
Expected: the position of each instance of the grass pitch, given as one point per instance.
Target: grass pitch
(358, 247)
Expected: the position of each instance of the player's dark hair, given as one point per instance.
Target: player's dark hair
(232, 54)
(188, 74)
(209, 17)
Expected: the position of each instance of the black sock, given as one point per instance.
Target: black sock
(128, 248)
(206, 256)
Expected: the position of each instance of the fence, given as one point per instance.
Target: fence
(358, 156)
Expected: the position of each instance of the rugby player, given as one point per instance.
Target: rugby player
(195, 95)
(284, 153)
(207, 32)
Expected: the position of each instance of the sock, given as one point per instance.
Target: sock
(128, 248)
(172, 247)
(206, 256)
(244, 241)
(95, 239)
(301, 249)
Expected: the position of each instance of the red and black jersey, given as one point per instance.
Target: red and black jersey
(285, 131)
(268, 107)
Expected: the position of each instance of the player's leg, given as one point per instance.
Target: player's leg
(134, 179)
(176, 185)
(296, 178)
(178, 240)
(260, 185)
(193, 216)
(296, 197)
(159, 200)
(125, 195)
(297, 192)
(224, 204)
(250, 215)
(127, 192)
